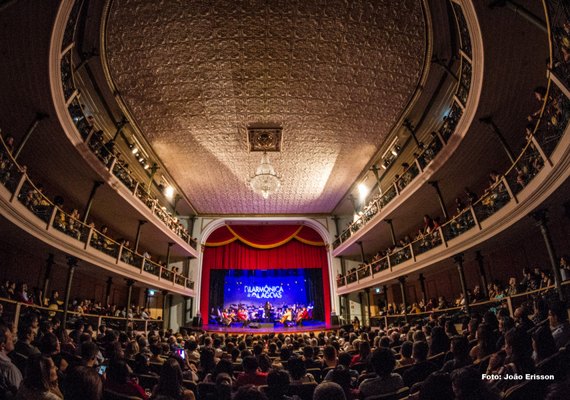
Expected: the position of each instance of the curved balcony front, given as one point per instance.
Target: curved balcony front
(444, 142)
(24, 204)
(83, 135)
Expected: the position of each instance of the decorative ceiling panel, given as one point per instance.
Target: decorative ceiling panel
(335, 74)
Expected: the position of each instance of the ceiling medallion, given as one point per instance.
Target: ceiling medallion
(265, 181)
(264, 138)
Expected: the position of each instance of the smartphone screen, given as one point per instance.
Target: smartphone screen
(181, 353)
(101, 369)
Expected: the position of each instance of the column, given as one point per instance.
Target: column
(458, 260)
(72, 264)
(385, 289)
(165, 309)
(392, 232)
(489, 122)
(482, 274)
(39, 117)
(87, 210)
(362, 258)
(422, 280)
(138, 236)
(347, 308)
(47, 277)
(519, 10)
(435, 185)
(402, 281)
(108, 291)
(335, 220)
(170, 244)
(541, 218)
(368, 300)
(362, 314)
(408, 125)
(130, 283)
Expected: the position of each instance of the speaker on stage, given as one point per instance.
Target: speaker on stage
(197, 321)
(335, 320)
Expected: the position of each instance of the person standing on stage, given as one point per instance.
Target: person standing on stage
(267, 310)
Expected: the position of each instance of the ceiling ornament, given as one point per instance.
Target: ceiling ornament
(265, 181)
(264, 139)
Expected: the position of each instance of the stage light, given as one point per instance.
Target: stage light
(169, 192)
(135, 150)
(151, 292)
(394, 152)
(377, 290)
(362, 191)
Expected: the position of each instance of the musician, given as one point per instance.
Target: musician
(267, 310)
(242, 316)
(227, 317)
(287, 317)
(302, 315)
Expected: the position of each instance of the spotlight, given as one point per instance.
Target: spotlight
(146, 166)
(394, 152)
(135, 150)
(362, 191)
(151, 292)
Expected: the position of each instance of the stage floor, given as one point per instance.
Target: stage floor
(308, 326)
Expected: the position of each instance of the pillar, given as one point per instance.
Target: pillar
(87, 210)
(385, 289)
(138, 236)
(39, 117)
(458, 260)
(392, 232)
(482, 274)
(337, 231)
(362, 314)
(368, 300)
(108, 291)
(347, 307)
(519, 10)
(362, 258)
(165, 309)
(435, 185)
(170, 244)
(408, 125)
(130, 283)
(402, 281)
(507, 149)
(47, 277)
(72, 264)
(541, 218)
(422, 280)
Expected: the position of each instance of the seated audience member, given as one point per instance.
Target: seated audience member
(222, 367)
(24, 345)
(309, 357)
(329, 357)
(515, 359)
(437, 386)
(251, 374)
(278, 382)
(460, 351)
(439, 341)
(341, 376)
(170, 383)
(329, 391)
(406, 354)
(82, 383)
(10, 375)
(298, 371)
(49, 346)
(468, 385)
(344, 359)
(41, 380)
(118, 380)
(89, 353)
(558, 320)
(142, 365)
(363, 355)
(249, 392)
(485, 343)
(421, 368)
(543, 344)
(383, 363)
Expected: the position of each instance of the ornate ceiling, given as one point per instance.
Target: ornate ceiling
(335, 74)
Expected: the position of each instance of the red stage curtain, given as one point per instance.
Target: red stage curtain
(264, 247)
(263, 236)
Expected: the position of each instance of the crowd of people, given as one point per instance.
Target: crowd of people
(432, 358)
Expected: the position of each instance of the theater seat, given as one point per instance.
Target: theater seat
(529, 390)
(206, 391)
(304, 391)
(110, 395)
(402, 393)
(147, 381)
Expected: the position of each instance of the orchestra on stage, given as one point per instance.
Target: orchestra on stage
(292, 315)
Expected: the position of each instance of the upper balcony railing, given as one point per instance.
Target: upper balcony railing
(559, 29)
(438, 140)
(551, 123)
(105, 150)
(14, 177)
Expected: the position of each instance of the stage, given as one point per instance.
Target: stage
(308, 326)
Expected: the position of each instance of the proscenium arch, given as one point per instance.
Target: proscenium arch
(311, 223)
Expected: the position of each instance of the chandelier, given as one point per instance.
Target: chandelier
(265, 181)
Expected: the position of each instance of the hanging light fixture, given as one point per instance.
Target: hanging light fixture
(265, 181)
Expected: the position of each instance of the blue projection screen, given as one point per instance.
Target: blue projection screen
(278, 287)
